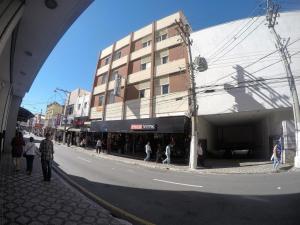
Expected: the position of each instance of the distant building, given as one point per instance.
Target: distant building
(53, 115)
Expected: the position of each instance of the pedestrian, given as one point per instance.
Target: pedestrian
(200, 154)
(77, 140)
(47, 151)
(30, 150)
(158, 153)
(148, 151)
(168, 154)
(83, 143)
(17, 144)
(69, 139)
(98, 146)
(276, 155)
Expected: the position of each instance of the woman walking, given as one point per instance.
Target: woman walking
(17, 144)
(29, 151)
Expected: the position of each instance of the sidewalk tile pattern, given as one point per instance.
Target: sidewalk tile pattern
(27, 199)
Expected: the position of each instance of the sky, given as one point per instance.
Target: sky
(72, 63)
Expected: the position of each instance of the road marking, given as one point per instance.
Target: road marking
(170, 182)
(83, 159)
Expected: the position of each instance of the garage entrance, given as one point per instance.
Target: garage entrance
(236, 135)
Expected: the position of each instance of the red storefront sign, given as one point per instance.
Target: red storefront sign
(143, 127)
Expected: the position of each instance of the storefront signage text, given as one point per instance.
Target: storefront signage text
(143, 127)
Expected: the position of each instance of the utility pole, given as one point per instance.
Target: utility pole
(67, 93)
(184, 31)
(281, 45)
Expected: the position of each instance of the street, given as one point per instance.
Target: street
(168, 197)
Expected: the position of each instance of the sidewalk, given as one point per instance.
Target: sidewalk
(214, 166)
(29, 200)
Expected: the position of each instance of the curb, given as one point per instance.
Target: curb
(120, 213)
(196, 171)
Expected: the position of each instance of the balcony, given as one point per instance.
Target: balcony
(140, 53)
(119, 62)
(175, 40)
(99, 89)
(102, 69)
(114, 111)
(96, 112)
(139, 76)
(171, 67)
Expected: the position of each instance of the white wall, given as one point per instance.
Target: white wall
(81, 101)
(230, 68)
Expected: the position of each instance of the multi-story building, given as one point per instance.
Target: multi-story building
(77, 111)
(141, 83)
(244, 97)
(36, 124)
(53, 115)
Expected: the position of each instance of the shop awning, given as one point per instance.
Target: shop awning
(177, 124)
(24, 114)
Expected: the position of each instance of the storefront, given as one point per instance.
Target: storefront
(130, 136)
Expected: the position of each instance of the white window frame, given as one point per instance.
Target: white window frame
(142, 93)
(164, 57)
(104, 75)
(162, 89)
(117, 55)
(106, 60)
(101, 101)
(111, 98)
(146, 43)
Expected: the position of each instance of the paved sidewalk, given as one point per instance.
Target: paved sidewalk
(29, 200)
(214, 166)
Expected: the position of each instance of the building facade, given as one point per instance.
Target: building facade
(244, 97)
(53, 116)
(141, 84)
(77, 113)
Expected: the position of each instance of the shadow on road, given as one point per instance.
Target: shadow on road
(195, 207)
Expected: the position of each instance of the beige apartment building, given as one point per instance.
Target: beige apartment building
(141, 85)
(53, 115)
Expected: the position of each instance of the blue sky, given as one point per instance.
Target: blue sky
(72, 63)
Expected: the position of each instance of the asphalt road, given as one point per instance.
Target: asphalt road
(171, 198)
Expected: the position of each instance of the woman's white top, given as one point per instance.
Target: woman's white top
(30, 148)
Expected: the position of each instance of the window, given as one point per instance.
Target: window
(106, 60)
(111, 97)
(114, 75)
(101, 100)
(104, 78)
(161, 37)
(142, 93)
(70, 109)
(164, 59)
(117, 55)
(78, 107)
(165, 89)
(85, 105)
(145, 65)
(146, 44)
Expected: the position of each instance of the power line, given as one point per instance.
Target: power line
(221, 48)
(239, 42)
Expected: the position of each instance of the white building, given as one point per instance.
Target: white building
(244, 98)
(77, 106)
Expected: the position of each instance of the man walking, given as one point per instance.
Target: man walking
(148, 151)
(168, 154)
(46, 149)
(98, 146)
